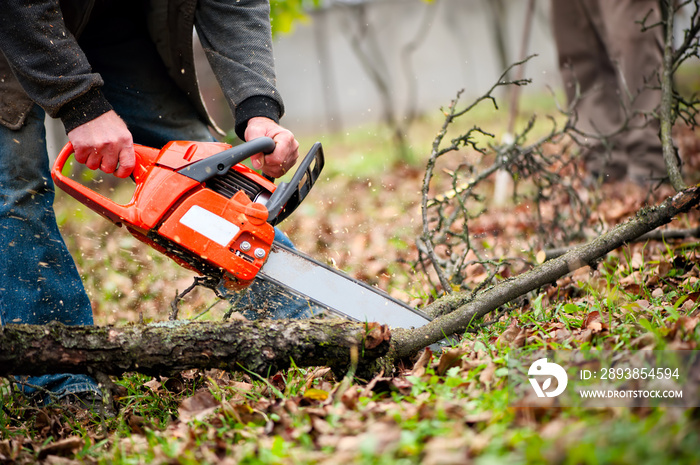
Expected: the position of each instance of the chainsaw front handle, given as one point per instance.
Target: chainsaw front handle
(286, 197)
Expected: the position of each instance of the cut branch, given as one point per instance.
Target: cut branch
(459, 311)
(267, 346)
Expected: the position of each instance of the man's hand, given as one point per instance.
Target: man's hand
(286, 152)
(104, 143)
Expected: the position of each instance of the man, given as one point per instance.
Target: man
(115, 72)
(609, 64)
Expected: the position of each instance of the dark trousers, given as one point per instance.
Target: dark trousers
(610, 68)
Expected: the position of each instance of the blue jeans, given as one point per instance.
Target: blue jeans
(39, 281)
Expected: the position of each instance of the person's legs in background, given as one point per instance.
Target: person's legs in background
(597, 44)
(637, 54)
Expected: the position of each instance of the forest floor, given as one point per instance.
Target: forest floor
(449, 406)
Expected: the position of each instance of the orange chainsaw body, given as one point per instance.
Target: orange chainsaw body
(202, 229)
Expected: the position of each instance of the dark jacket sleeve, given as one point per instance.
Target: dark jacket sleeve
(47, 61)
(237, 40)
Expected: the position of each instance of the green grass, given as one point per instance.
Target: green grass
(456, 408)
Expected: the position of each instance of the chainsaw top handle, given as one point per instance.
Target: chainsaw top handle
(220, 163)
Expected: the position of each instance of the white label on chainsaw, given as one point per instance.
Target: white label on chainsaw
(210, 225)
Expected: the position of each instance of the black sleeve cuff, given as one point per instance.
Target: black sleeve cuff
(252, 107)
(83, 109)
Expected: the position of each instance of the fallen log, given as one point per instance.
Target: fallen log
(262, 347)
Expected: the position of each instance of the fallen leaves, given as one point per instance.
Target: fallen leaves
(63, 448)
(594, 322)
(376, 334)
(199, 406)
(434, 409)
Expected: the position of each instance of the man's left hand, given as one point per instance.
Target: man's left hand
(286, 152)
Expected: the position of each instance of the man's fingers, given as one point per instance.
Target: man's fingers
(109, 159)
(279, 162)
(109, 162)
(127, 162)
(258, 161)
(94, 158)
(104, 143)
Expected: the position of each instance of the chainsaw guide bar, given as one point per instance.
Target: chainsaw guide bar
(336, 291)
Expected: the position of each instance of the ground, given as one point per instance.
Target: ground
(445, 407)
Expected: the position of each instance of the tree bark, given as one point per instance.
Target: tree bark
(262, 347)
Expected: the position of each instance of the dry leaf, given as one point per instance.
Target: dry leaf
(422, 362)
(594, 323)
(316, 394)
(200, 405)
(486, 376)
(376, 334)
(64, 447)
(520, 339)
(508, 335)
(402, 385)
(450, 358)
(154, 385)
(136, 423)
(350, 398)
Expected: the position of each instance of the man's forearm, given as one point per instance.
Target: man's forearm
(237, 40)
(48, 63)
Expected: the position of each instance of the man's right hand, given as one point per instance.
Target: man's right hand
(105, 143)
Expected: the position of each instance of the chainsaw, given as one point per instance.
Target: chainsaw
(199, 205)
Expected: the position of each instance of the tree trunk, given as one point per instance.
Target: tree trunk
(262, 347)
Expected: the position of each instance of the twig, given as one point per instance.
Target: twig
(662, 235)
(233, 307)
(198, 281)
(427, 239)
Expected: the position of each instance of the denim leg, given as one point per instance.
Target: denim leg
(39, 282)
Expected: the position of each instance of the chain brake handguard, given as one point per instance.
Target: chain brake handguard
(289, 195)
(286, 197)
